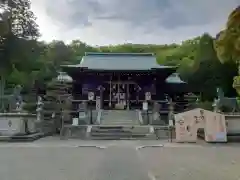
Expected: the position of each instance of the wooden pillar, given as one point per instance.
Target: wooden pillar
(127, 96)
(118, 88)
(110, 92)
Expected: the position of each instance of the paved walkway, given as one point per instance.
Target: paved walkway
(54, 159)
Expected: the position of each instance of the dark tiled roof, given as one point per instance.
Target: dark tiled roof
(120, 61)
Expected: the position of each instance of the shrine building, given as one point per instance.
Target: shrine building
(124, 80)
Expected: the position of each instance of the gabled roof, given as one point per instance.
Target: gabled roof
(120, 61)
(175, 79)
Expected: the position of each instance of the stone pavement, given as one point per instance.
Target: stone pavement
(54, 159)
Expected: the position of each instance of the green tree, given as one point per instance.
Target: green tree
(20, 24)
(228, 41)
(78, 49)
(227, 44)
(209, 73)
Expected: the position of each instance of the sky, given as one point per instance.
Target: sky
(104, 22)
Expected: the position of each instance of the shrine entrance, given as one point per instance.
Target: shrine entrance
(121, 93)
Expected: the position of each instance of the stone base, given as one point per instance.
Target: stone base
(70, 131)
(22, 138)
(16, 123)
(120, 106)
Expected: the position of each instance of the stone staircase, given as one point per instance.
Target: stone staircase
(120, 124)
(121, 132)
(119, 117)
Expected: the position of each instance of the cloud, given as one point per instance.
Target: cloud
(133, 21)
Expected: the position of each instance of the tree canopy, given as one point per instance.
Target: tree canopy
(24, 59)
(228, 40)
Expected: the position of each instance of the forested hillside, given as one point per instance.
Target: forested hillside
(24, 59)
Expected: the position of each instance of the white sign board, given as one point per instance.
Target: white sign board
(145, 106)
(170, 122)
(75, 121)
(148, 96)
(122, 96)
(90, 96)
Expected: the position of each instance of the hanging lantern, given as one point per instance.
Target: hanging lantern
(64, 77)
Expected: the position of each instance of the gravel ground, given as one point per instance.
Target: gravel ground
(198, 163)
(49, 163)
(53, 159)
(122, 163)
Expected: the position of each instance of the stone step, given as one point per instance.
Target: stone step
(128, 132)
(136, 131)
(121, 117)
(112, 133)
(109, 127)
(126, 118)
(121, 132)
(123, 124)
(122, 137)
(119, 121)
(108, 132)
(112, 138)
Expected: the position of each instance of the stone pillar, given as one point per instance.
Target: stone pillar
(110, 92)
(171, 113)
(82, 111)
(98, 103)
(216, 105)
(127, 97)
(145, 111)
(39, 109)
(156, 114)
(101, 89)
(148, 96)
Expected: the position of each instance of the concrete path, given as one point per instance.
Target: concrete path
(51, 158)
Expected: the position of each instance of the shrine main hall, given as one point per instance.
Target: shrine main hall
(124, 80)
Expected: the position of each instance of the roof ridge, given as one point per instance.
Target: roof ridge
(117, 54)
